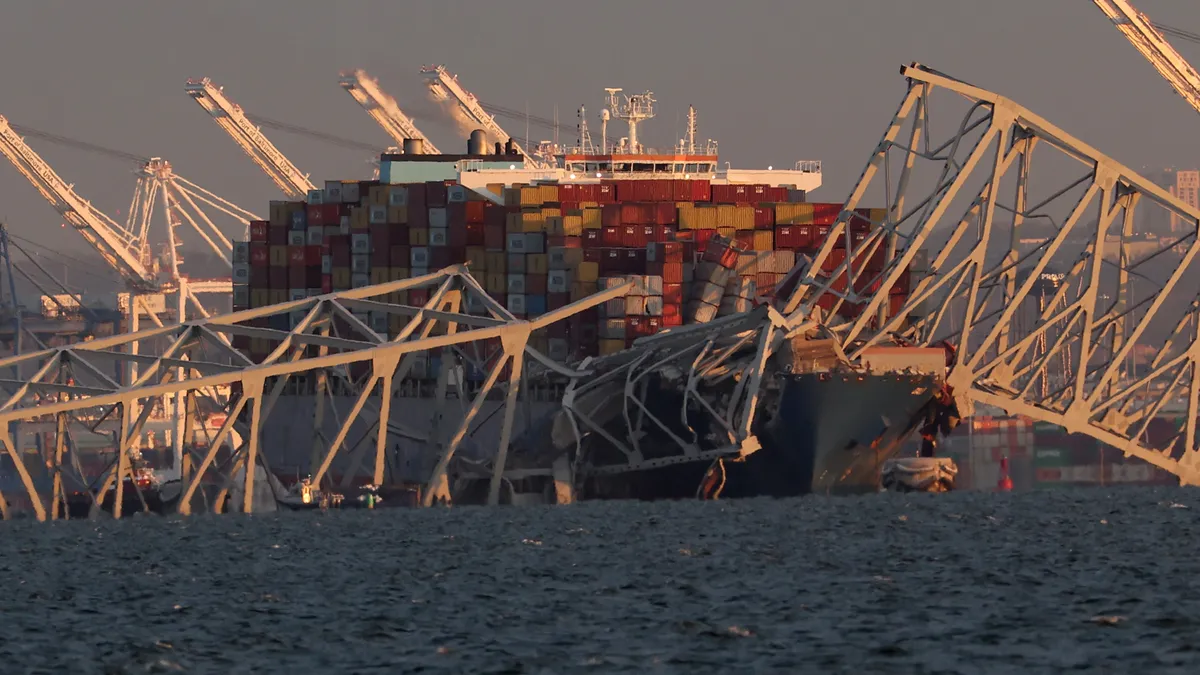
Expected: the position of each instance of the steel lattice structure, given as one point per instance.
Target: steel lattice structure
(329, 336)
(1072, 364)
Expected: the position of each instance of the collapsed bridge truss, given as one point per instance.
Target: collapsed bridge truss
(331, 337)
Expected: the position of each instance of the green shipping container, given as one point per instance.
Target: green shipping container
(1047, 457)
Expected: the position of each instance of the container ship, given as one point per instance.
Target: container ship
(699, 243)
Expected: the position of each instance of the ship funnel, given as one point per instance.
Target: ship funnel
(477, 143)
(499, 148)
(414, 146)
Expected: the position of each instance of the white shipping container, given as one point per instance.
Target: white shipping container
(299, 220)
(314, 292)
(535, 242)
(613, 329)
(316, 235)
(379, 322)
(241, 295)
(515, 284)
(557, 258)
(515, 243)
(397, 196)
(360, 264)
(416, 271)
(516, 303)
(294, 319)
(326, 264)
(515, 263)
(297, 294)
(653, 285)
(439, 236)
(456, 193)
(377, 215)
(360, 243)
(316, 196)
(297, 237)
(360, 280)
(733, 305)
(241, 273)
(635, 305)
(558, 349)
(689, 273)
(613, 308)
(332, 231)
(654, 305)
(437, 216)
(711, 294)
(747, 288)
(350, 193)
(558, 281)
(702, 312)
(418, 256)
(333, 192)
(475, 304)
(241, 252)
(344, 225)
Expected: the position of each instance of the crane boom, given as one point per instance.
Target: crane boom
(118, 248)
(230, 117)
(1142, 34)
(444, 85)
(383, 108)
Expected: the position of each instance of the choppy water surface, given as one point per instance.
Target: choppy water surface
(1033, 582)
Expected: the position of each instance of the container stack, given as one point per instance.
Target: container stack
(693, 251)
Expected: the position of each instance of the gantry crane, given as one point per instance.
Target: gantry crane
(1146, 38)
(383, 108)
(443, 85)
(230, 117)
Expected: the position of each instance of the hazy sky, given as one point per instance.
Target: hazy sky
(773, 81)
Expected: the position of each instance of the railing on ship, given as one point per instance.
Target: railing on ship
(809, 166)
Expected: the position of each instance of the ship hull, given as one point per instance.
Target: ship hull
(832, 433)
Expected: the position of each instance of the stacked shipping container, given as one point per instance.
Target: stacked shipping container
(693, 250)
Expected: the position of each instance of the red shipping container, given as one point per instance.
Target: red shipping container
(497, 216)
(312, 277)
(631, 213)
(744, 238)
(260, 255)
(595, 254)
(896, 303)
(606, 193)
(634, 236)
(568, 192)
(610, 236)
(474, 234)
(835, 258)
(653, 324)
(456, 235)
(312, 256)
(474, 212)
(672, 273)
(558, 301)
(764, 218)
(315, 213)
(610, 215)
(671, 251)
(825, 214)
(331, 214)
(418, 217)
(635, 327)
(418, 296)
(277, 235)
(785, 238)
(672, 315)
(456, 213)
(493, 237)
(672, 294)
(380, 235)
(400, 256)
(259, 277)
(592, 238)
(611, 261)
(435, 194)
(258, 231)
(381, 256)
(326, 283)
(278, 278)
(296, 256)
(701, 191)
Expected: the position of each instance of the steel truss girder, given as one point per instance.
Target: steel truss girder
(1082, 340)
(196, 360)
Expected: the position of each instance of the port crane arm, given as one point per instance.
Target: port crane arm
(383, 108)
(443, 85)
(1141, 33)
(235, 123)
(119, 249)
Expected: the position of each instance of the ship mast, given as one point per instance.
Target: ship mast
(635, 110)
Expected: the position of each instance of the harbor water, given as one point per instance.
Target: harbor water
(1029, 582)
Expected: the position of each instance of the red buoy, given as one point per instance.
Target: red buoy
(1005, 484)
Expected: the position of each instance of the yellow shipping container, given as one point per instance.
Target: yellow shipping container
(533, 221)
(512, 223)
(359, 218)
(340, 277)
(380, 275)
(497, 262)
(294, 207)
(418, 236)
(260, 345)
(399, 273)
(587, 272)
(743, 218)
(279, 215)
(496, 189)
(572, 225)
(548, 194)
(609, 346)
(589, 205)
(396, 322)
(764, 240)
(531, 196)
(278, 255)
(536, 263)
(727, 232)
(378, 195)
(512, 195)
(554, 225)
(277, 296)
(398, 215)
(687, 216)
(582, 289)
(591, 218)
(725, 215)
(259, 297)
(877, 217)
(551, 211)
(477, 259)
(701, 217)
(495, 283)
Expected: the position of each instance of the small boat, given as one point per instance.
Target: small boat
(304, 496)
